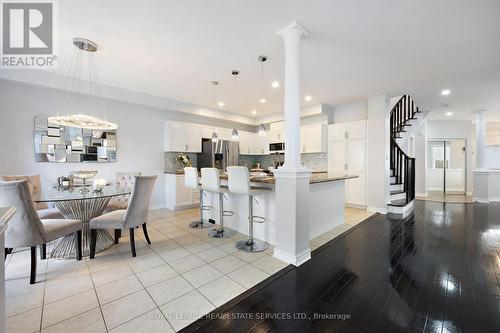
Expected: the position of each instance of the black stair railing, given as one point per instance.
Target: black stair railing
(402, 165)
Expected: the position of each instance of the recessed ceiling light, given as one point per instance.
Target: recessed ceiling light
(221, 104)
(275, 84)
(254, 111)
(263, 100)
(308, 98)
(449, 113)
(446, 92)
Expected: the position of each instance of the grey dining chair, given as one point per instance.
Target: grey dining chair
(45, 210)
(26, 229)
(123, 179)
(135, 215)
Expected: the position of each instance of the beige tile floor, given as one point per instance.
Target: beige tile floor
(183, 275)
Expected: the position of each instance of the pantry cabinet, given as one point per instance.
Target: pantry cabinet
(347, 155)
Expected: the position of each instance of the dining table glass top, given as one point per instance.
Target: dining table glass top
(55, 194)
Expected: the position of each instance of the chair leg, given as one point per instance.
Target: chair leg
(118, 234)
(43, 251)
(78, 244)
(93, 238)
(132, 241)
(33, 265)
(144, 228)
(8, 250)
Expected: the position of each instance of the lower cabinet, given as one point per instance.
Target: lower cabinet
(177, 195)
(355, 189)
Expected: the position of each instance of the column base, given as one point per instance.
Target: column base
(295, 260)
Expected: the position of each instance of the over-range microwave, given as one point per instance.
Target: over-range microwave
(277, 147)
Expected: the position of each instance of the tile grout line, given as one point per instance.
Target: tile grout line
(95, 292)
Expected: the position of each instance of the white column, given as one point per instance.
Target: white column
(480, 140)
(292, 179)
(291, 36)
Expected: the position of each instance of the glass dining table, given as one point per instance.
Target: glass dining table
(80, 206)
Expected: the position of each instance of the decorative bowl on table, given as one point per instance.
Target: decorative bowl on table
(83, 175)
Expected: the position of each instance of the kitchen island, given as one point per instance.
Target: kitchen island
(327, 200)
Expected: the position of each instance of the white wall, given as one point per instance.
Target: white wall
(353, 111)
(456, 129)
(492, 156)
(420, 160)
(139, 135)
(378, 135)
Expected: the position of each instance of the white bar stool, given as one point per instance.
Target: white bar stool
(239, 183)
(210, 182)
(192, 180)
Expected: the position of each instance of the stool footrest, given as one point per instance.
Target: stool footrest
(227, 213)
(258, 219)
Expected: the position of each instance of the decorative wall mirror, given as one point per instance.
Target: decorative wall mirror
(74, 139)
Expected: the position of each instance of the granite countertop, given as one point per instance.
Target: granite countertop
(316, 177)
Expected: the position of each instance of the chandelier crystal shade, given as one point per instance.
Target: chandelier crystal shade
(82, 121)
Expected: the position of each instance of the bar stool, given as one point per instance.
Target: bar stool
(239, 183)
(191, 180)
(210, 182)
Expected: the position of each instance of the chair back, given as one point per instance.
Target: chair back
(138, 206)
(238, 179)
(191, 178)
(210, 179)
(126, 179)
(25, 228)
(34, 184)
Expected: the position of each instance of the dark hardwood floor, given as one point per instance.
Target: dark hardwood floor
(436, 271)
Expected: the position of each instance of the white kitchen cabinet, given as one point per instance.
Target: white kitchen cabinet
(356, 189)
(206, 132)
(178, 196)
(182, 137)
(224, 133)
(347, 155)
(313, 138)
(246, 140)
(276, 136)
(262, 145)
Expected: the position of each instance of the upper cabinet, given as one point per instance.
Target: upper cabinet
(348, 130)
(253, 144)
(313, 138)
(182, 137)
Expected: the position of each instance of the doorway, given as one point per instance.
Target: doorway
(447, 166)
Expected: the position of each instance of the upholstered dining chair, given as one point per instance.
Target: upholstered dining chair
(26, 229)
(45, 211)
(123, 179)
(135, 215)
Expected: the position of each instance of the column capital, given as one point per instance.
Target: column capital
(293, 28)
(479, 112)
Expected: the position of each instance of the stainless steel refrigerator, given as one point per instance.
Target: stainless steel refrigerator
(220, 154)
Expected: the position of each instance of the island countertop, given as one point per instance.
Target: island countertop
(316, 177)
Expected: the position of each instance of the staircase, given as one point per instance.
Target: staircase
(402, 166)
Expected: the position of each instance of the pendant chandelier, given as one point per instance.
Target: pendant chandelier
(234, 134)
(84, 47)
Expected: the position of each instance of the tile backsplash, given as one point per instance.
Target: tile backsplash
(171, 163)
(313, 161)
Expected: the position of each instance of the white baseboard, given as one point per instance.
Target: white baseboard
(376, 210)
(421, 194)
(468, 193)
(355, 206)
(482, 200)
(158, 206)
(403, 211)
(291, 259)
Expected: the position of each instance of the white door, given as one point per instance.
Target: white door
(356, 155)
(337, 156)
(193, 139)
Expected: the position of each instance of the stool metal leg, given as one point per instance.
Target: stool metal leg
(251, 245)
(222, 232)
(200, 224)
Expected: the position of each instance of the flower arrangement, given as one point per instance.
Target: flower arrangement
(184, 159)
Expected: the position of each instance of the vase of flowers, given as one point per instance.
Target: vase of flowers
(184, 159)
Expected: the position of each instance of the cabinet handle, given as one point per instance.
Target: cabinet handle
(346, 167)
(187, 147)
(346, 135)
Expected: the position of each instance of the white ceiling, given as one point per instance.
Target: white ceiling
(355, 49)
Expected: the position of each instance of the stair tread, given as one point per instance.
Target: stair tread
(398, 203)
(396, 183)
(397, 192)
